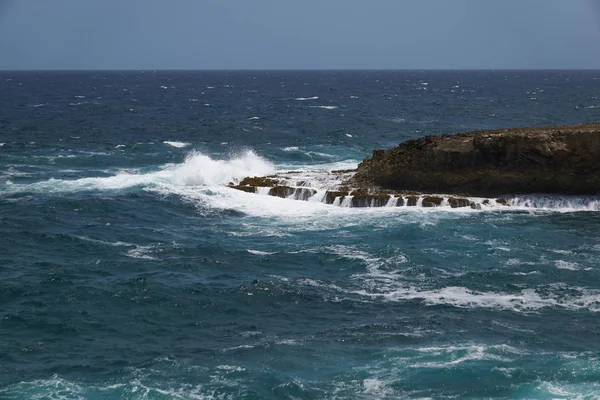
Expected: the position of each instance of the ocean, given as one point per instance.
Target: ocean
(130, 270)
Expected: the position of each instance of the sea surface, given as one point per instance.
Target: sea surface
(129, 270)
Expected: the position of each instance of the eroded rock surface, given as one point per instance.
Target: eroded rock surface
(553, 160)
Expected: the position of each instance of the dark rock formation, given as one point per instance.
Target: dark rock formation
(362, 198)
(282, 191)
(304, 193)
(258, 181)
(411, 201)
(432, 201)
(559, 160)
(457, 202)
(330, 196)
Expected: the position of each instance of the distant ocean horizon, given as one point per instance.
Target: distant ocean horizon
(309, 70)
(130, 270)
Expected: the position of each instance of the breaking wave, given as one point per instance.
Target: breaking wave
(197, 170)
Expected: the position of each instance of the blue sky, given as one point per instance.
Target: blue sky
(300, 34)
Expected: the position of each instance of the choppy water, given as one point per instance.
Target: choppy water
(129, 270)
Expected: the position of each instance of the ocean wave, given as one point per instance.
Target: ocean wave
(179, 145)
(135, 388)
(306, 98)
(524, 301)
(309, 153)
(325, 107)
(142, 252)
(197, 170)
(259, 253)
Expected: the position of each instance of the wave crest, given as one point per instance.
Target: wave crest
(197, 170)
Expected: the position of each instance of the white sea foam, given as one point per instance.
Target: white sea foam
(325, 107)
(376, 387)
(230, 368)
(259, 253)
(526, 300)
(140, 387)
(560, 390)
(197, 170)
(556, 203)
(453, 355)
(142, 252)
(253, 118)
(571, 266)
(179, 145)
(306, 98)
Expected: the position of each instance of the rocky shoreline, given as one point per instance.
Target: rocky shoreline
(293, 185)
(549, 160)
(492, 165)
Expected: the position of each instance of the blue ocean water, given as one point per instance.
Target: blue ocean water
(128, 270)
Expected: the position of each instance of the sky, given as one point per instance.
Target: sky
(299, 34)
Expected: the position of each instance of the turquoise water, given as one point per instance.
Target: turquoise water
(129, 269)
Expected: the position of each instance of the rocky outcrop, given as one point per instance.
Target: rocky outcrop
(359, 198)
(553, 160)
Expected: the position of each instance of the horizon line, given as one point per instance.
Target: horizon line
(303, 70)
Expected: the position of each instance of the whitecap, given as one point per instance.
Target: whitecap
(571, 266)
(375, 387)
(243, 346)
(176, 144)
(197, 170)
(230, 368)
(325, 107)
(306, 98)
(526, 300)
(253, 118)
(259, 253)
(142, 252)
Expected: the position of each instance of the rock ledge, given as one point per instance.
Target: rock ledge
(553, 160)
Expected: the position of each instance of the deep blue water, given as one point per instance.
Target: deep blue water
(129, 271)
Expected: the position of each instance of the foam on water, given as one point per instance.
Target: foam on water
(325, 107)
(462, 297)
(179, 145)
(560, 203)
(197, 170)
